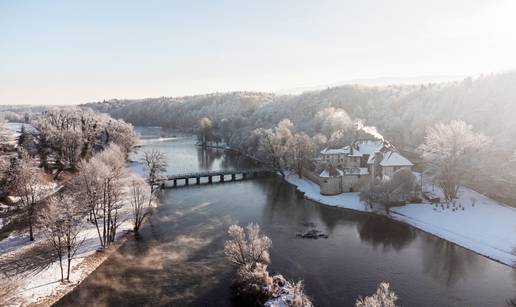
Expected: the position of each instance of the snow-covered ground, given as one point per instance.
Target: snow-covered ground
(474, 221)
(44, 283)
(313, 192)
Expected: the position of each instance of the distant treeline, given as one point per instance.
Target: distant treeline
(401, 113)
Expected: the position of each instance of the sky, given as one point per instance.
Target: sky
(71, 52)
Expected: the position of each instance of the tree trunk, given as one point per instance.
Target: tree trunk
(61, 267)
(69, 262)
(31, 232)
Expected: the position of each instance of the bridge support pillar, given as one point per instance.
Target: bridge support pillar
(233, 177)
(210, 179)
(221, 178)
(175, 183)
(198, 179)
(186, 181)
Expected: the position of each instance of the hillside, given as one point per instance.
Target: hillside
(402, 113)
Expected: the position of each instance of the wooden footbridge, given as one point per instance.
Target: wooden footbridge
(209, 177)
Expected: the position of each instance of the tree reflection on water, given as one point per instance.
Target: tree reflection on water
(380, 231)
(448, 262)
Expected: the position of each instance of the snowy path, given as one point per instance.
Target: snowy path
(478, 223)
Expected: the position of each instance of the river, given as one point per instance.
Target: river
(179, 259)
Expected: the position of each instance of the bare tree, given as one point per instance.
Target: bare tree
(156, 163)
(29, 187)
(384, 297)
(141, 201)
(449, 150)
(63, 220)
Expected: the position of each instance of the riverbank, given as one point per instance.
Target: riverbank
(473, 221)
(82, 270)
(37, 281)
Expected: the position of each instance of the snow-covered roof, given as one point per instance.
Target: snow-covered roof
(335, 151)
(346, 171)
(394, 158)
(369, 147)
(326, 173)
(356, 153)
(360, 148)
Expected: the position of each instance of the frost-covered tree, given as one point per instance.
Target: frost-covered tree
(384, 297)
(391, 190)
(332, 120)
(247, 249)
(100, 184)
(6, 137)
(29, 186)
(299, 297)
(301, 151)
(6, 159)
(111, 162)
(449, 151)
(67, 135)
(120, 133)
(205, 130)
(274, 145)
(155, 162)
(141, 201)
(319, 141)
(250, 253)
(60, 135)
(402, 183)
(62, 221)
(88, 186)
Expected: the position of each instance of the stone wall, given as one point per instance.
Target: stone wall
(331, 185)
(337, 185)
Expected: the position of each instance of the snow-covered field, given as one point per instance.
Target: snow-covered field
(474, 221)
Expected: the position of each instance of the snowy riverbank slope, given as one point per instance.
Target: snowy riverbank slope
(37, 281)
(474, 221)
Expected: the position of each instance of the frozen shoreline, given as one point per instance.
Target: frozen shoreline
(478, 223)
